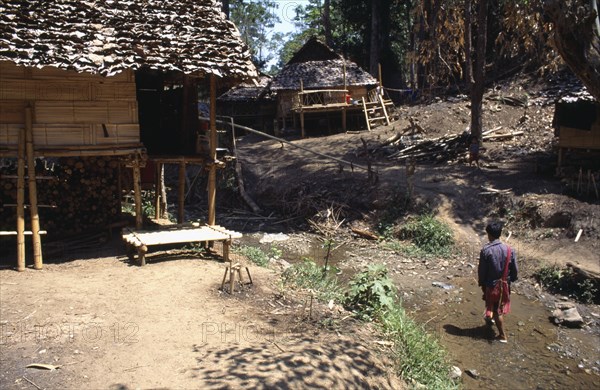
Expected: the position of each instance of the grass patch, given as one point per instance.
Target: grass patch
(308, 275)
(564, 281)
(428, 234)
(418, 355)
(259, 256)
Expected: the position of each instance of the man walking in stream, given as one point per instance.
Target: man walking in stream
(497, 269)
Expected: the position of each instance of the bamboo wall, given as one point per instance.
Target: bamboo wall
(69, 108)
(581, 139)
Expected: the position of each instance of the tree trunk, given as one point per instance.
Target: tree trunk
(225, 7)
(468, 46)
(479, 82)
(576, 38)
(327, 23)
(375, 28)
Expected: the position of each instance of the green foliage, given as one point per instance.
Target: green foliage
(564, 281)
(417, 354)
(428, 234)
(308, 275)
(254, 254)
(370, 292)
(255, 19)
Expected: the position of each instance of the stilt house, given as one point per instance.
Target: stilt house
(316, 82)
(577, 125)
(250, 104)
(99, 86)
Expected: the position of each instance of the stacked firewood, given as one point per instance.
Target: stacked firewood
(439, 149)
(75, 194)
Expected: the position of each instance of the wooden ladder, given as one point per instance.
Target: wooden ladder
(376, 112)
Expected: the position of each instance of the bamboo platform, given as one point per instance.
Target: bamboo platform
(139, 240)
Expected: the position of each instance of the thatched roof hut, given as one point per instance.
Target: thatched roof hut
(318, 68)
(115, 78)
(250, 104)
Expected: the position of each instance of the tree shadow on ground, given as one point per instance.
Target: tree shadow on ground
(296, 363)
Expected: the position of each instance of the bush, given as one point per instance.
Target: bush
(564, 281)
(309, 275)
(418, 355)
(254, 254)
(370, 292)
(428, 234)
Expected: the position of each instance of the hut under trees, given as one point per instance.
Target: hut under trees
(317, 82)
(88, 89)
(250, 104)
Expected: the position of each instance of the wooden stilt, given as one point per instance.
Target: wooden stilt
(212, 175)
(35, 218)
(137, 193)
(181, 194)
(344, 119)
(302, 133)
(157, 190)
(21, 203)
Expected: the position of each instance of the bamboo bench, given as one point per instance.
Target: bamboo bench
(139, 240)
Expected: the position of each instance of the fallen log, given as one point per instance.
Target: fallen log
(365, 234)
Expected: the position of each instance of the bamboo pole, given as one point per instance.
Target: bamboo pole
(137, 192)
(35, 217)
(212, 175)
(157, 189)
(380, 77)
(284, 141)
(181, 193)
(21, 203)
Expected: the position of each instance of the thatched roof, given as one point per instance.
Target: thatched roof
(108, 36)
(319, 67)
(248, 91)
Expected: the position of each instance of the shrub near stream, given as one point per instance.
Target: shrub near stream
(372, 296)
(418, 355)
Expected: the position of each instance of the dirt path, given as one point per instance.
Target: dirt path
(111, 325)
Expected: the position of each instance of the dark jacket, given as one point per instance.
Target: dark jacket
(491, 263)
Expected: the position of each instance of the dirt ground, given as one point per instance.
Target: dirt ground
(109, 324)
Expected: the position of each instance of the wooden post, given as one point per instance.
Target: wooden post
(33, 207)
(137, 193)
(157, 189)
(212, 174)
(380, 77)
(181, 194)
(302, 133)
(21, 202)
(301, 99)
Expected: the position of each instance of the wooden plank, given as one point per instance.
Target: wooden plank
(115, 112)
(12, 111)
(110, 91)
(158, 237)
(116, 134)
(23, 89)
(9, 134)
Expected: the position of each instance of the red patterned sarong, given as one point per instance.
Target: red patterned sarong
(497, 299)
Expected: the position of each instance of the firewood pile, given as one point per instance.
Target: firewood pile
(434, 150)
(74, 194)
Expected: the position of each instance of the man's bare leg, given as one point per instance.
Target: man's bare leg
(500, 325)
